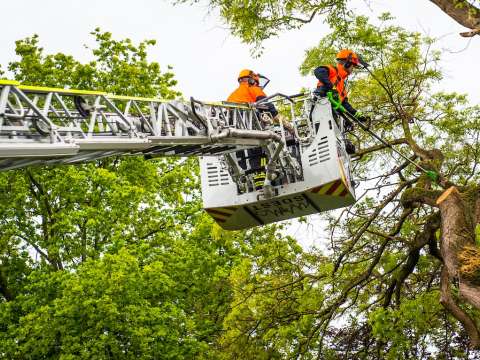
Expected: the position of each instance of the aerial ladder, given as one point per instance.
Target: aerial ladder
(305, 172)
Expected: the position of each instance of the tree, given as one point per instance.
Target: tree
(401, 278)
(64, 296)
(421, 213)
(113, 258)
(255, 21)
(99, 260)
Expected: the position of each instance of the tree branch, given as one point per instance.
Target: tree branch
(4, 288)
(362, 152)
(369, 221)
(41, 197)
(462, 12)
(305, 21)
(421, 153)
(420, 195)
(421, 239)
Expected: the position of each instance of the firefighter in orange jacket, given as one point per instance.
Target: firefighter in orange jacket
(334, 78)
(250, 90)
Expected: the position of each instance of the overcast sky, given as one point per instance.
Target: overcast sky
(204, 56)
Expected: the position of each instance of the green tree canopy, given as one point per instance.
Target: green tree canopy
(401, 276)
(254, 21)
(112, 259)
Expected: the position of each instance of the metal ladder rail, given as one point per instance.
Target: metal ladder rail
(43, 125)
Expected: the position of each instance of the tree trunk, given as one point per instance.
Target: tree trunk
(458, 228)
(459, 217)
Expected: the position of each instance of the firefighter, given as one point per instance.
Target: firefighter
(250, 90)
(334, 78)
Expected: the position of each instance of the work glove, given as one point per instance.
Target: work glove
(362, 117)
(324, 93)
(336, 97)
(335, 101)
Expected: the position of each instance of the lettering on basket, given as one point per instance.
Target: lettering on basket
(281, 207)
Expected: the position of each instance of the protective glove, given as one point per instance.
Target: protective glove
(335, 94)
(333, 97)
(361, 117)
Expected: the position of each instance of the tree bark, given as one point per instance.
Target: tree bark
(449, 303)
(457, 228)
(459, 217)
(471, 293)
(462, 12)
(477, 211)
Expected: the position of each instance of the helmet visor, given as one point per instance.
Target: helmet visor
(263, 81)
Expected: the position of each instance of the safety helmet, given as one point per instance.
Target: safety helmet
(253, 78)
(349, 58)
(245, 73)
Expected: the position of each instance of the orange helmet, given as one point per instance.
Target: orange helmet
(253, 78)
(348, 57)
(245, 73)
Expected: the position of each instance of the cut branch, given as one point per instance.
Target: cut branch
(457, 228)
(458, 212)
(470, 33)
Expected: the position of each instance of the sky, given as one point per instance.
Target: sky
(206, 58)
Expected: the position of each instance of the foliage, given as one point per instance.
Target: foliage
(107, 309)
(254, 21)
(378, 295)
(119, 67)
(112, 258)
